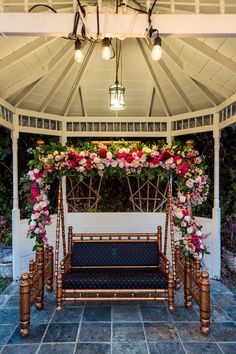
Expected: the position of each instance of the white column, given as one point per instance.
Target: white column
(15, 211)
(216, 236)
(169, 137)
(65, 205)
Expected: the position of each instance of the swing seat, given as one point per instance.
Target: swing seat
(115, 267)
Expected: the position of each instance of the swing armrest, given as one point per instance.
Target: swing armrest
(66, 263)
(164, 263)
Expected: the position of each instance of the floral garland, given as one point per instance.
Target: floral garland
(183, 163)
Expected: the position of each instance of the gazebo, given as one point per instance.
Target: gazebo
(191, 89)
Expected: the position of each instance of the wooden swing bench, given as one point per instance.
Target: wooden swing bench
(115, 267)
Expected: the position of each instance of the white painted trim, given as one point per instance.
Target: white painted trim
(50, 24)
(227, 122)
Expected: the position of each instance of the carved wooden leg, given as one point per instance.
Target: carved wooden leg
(40, 260)
(205, 304)
(51, 270)
(187, 285)
(25, 304)
(171, 298)
(59, 293)
(178, 280)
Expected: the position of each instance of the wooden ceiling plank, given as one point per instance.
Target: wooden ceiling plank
(158, 87)
(51, 65)
(21, 53)
(195, 75)
(210, 53)
(76, 82)
(57, 85)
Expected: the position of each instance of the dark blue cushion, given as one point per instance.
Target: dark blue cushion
(115, 278)
(114, 254)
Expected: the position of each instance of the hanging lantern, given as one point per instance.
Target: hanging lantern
(117, 91)
(117, 97)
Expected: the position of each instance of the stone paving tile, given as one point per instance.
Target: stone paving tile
(5, 332)
(129, 348)
(61, 332)
(156, 314)
(165, 348)
(126, 314)
(52, 348)
(189, 332)
(219, 288)
(128, 332)
(199, 348)
(224, 331)
(41, 316)
(231, 311)
(20, 349)
(159, 331)
(13, 302)
(181, 313)
(36, 334)
(96, 314)
(94, 303)
(152, 303)
(13, 288)
(93, 348)
(68, 314)
(3, 299)
(9, 316)
(218, 314)
(227, 299)
(228, 348)
(95, 332)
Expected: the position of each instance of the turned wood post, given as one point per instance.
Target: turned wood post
(205, 304)
(159, 238)
(187, 284)
(171, 292)
(40, 270)
(59, 293)
(50, 270)
(24, 304)
(177, 256)
(70, 239)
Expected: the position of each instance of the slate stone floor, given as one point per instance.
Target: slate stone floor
(119, 327)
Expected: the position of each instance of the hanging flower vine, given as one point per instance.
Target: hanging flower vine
(183, 163)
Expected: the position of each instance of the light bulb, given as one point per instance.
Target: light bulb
(106, 48)
(156, 50)
(106, 53)
(78, 51)
(79, 56)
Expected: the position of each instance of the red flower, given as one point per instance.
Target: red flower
(176, 159)
(73, 163)
(103, 152)
(182, 169)
(129, 158)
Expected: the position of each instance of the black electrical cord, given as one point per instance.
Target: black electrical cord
(42, 5)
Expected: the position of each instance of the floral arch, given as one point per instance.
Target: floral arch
(181, 163)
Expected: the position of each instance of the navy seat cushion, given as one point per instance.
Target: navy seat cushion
(115, 278)
(114, 254)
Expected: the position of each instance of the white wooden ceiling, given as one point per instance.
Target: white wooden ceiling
(194, 73)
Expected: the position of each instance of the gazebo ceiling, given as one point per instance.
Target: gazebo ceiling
(40, 74)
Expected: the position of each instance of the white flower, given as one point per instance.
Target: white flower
(96, 160)
(109, 155)
(199, 233)
(32, 223)
(187, 218)
(189, 230)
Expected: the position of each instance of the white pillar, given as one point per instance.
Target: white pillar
(216, 244)
(169, 137)
(15, 211)
(65, 205)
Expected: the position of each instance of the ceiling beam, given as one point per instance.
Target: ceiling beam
(75, 85)
(195, 75)
(60, 24)
(57, 85)
(174, 84)
(210, 53)
(81, 101)
(54, 62)
(158, 87)
(23, 52)
(35, 76)
(211, 97)
(152, 101)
